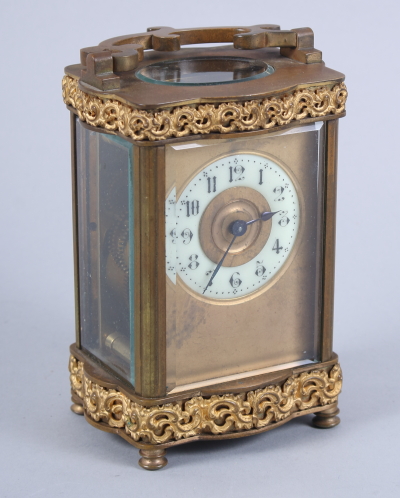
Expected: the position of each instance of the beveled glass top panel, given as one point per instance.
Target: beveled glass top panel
(201, 71)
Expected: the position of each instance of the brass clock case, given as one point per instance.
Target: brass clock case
(236, 347)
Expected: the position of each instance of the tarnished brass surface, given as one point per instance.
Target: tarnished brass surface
(237, 203)
(226, 117)
(326, 419)
(209, 339)
(328, 276)
(77, 409)
(218, 415)
(167, 39)
(123, 53)
(153, 459)
(150, 344)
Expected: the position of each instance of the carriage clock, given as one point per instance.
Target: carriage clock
(204, 192)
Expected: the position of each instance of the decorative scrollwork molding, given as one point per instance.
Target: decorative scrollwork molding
(75, 368)
(214, 415)
(225, 117)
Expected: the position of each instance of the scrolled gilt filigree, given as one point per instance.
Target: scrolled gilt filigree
(76, 375)
(226, 117)
(218, 414)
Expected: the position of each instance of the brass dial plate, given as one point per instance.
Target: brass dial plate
(237, 203)
(211, 337)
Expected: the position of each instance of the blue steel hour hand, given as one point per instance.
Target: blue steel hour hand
(219, 264)
(265, 216)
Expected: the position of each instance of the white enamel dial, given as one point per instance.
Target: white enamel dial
(265, 177)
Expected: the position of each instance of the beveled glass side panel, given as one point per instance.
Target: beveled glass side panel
(105, 221)
(261, 312)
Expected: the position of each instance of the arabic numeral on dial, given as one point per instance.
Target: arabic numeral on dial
(284, 221)
(193, 262)
(192, 208)
(235, 173)
(235, 280)
(276, 247)
(173, 235)
(260, 270)
(212, 184)
(187, 236)
(279, 191)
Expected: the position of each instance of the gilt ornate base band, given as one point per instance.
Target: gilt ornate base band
(225, 415)
(226, 117)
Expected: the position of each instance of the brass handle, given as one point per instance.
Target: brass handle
(246, 38)
(124, 53)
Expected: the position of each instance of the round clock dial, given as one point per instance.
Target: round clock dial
(219, 254)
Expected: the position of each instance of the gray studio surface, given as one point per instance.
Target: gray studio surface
(46, 450)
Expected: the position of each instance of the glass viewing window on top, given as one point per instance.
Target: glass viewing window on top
(200, 71)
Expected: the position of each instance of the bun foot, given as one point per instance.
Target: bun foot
(78, 409)
(327, 418)
(153, 459)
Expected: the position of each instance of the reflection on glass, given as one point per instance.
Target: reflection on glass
(210, 340)
(105, 221)
(204, 71)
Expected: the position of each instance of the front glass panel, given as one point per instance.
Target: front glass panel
(243, 228)
(105, 234)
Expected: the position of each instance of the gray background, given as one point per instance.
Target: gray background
(45, 450)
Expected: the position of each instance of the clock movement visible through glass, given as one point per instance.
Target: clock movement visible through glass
(105, 210)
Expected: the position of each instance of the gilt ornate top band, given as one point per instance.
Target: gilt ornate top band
(226, 117)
